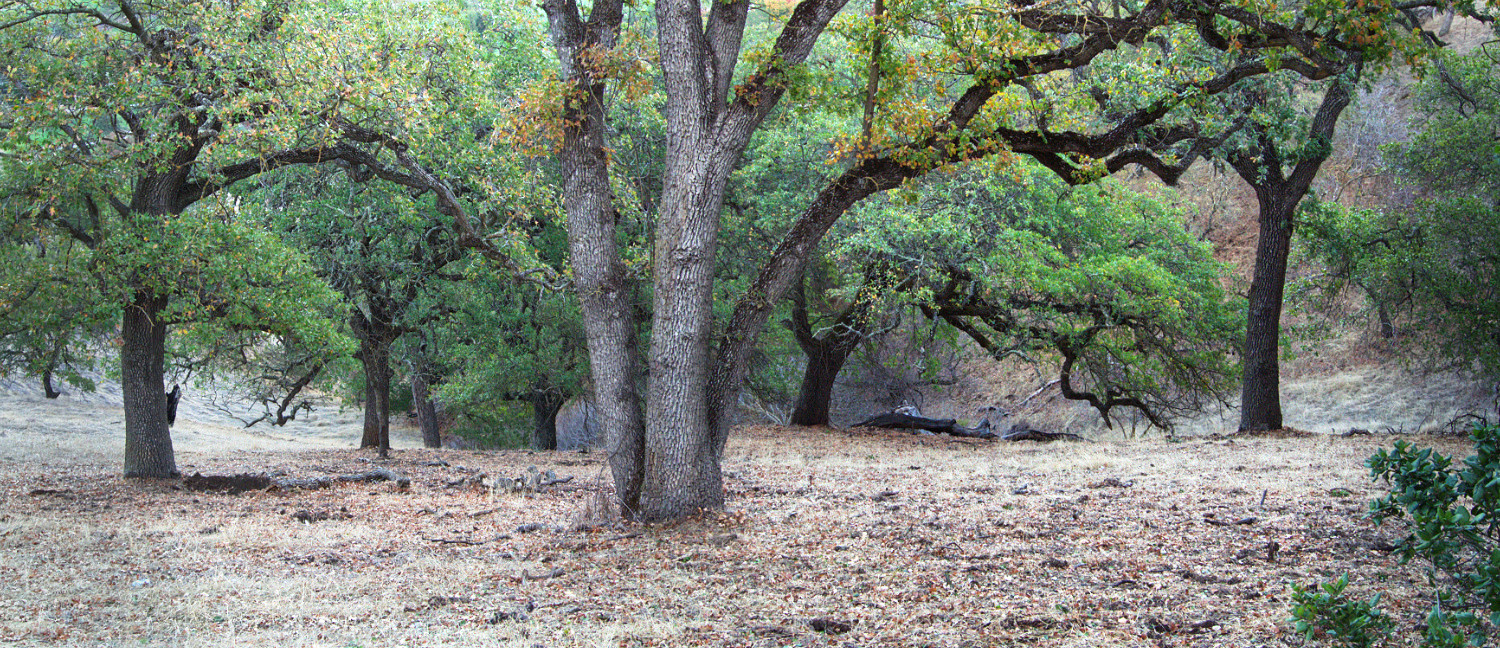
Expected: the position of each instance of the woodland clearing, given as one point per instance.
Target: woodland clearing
(831, 538)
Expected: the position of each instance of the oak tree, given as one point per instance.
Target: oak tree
(149, 112)
(973, 99)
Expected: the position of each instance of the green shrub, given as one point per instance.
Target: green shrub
(1327, 615)
(1454, 517)
(497, 425)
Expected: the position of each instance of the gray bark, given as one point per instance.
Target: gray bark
(143, 334)
(605, 292)
(148, 441)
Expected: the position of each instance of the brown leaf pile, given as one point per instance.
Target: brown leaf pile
(832, 538)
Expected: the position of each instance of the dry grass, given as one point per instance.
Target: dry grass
(911, 540)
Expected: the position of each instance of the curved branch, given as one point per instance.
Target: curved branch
(1110, 399)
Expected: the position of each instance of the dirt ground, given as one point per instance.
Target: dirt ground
(831, 538)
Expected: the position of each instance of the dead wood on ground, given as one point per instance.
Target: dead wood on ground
(896, 420)
(1017, 432)
(246, 482)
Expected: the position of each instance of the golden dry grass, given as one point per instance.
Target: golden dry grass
(910, 540)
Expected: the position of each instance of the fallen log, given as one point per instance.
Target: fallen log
(900, 421)
(1024, 432)
(246, 482)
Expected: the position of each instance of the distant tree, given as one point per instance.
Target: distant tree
(1434, 268)
(52, 323)
(1265, 129)
(1281, 174)
(424, 402)
(136, 118)
(505, 341)
(783, 168)
(854, 318)
(1105, 281)
(385, 253)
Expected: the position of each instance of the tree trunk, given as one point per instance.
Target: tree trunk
(375, 356)
(605, 292)
(1277, 194)
(53, 360)
(709, 124)
(606, 297)
(1260, 396)
(682, 473)
(826, 353)
(671, 469)
(427, 420)
(544, 409)
(148, 442)
(47, 389)
(370, 437)
(816, 393)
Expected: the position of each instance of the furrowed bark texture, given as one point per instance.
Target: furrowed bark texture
(1260, 394)
(148, 442)
(143, 334)
(1277, 194)
(681, 471)
(605, 292)
(707, 131)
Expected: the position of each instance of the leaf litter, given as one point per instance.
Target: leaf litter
(830, 538)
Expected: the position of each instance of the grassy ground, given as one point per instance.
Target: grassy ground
(906, 540)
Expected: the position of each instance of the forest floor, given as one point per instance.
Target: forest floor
(831, 538)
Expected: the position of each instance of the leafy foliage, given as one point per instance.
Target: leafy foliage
(51, 320)
(1105, 280)
(506, 345)
(1454, 513)
(1326, 614)
(1434, 267)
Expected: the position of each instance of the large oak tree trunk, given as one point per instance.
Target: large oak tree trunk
(1277, 193)
(605, 292)
(143, 335)
(682, 469)
(1260, 394)
(607, 300)
(148, 442)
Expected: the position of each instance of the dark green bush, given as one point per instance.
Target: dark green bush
(1325, 614)
(1454, 512)
(1454, 516)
